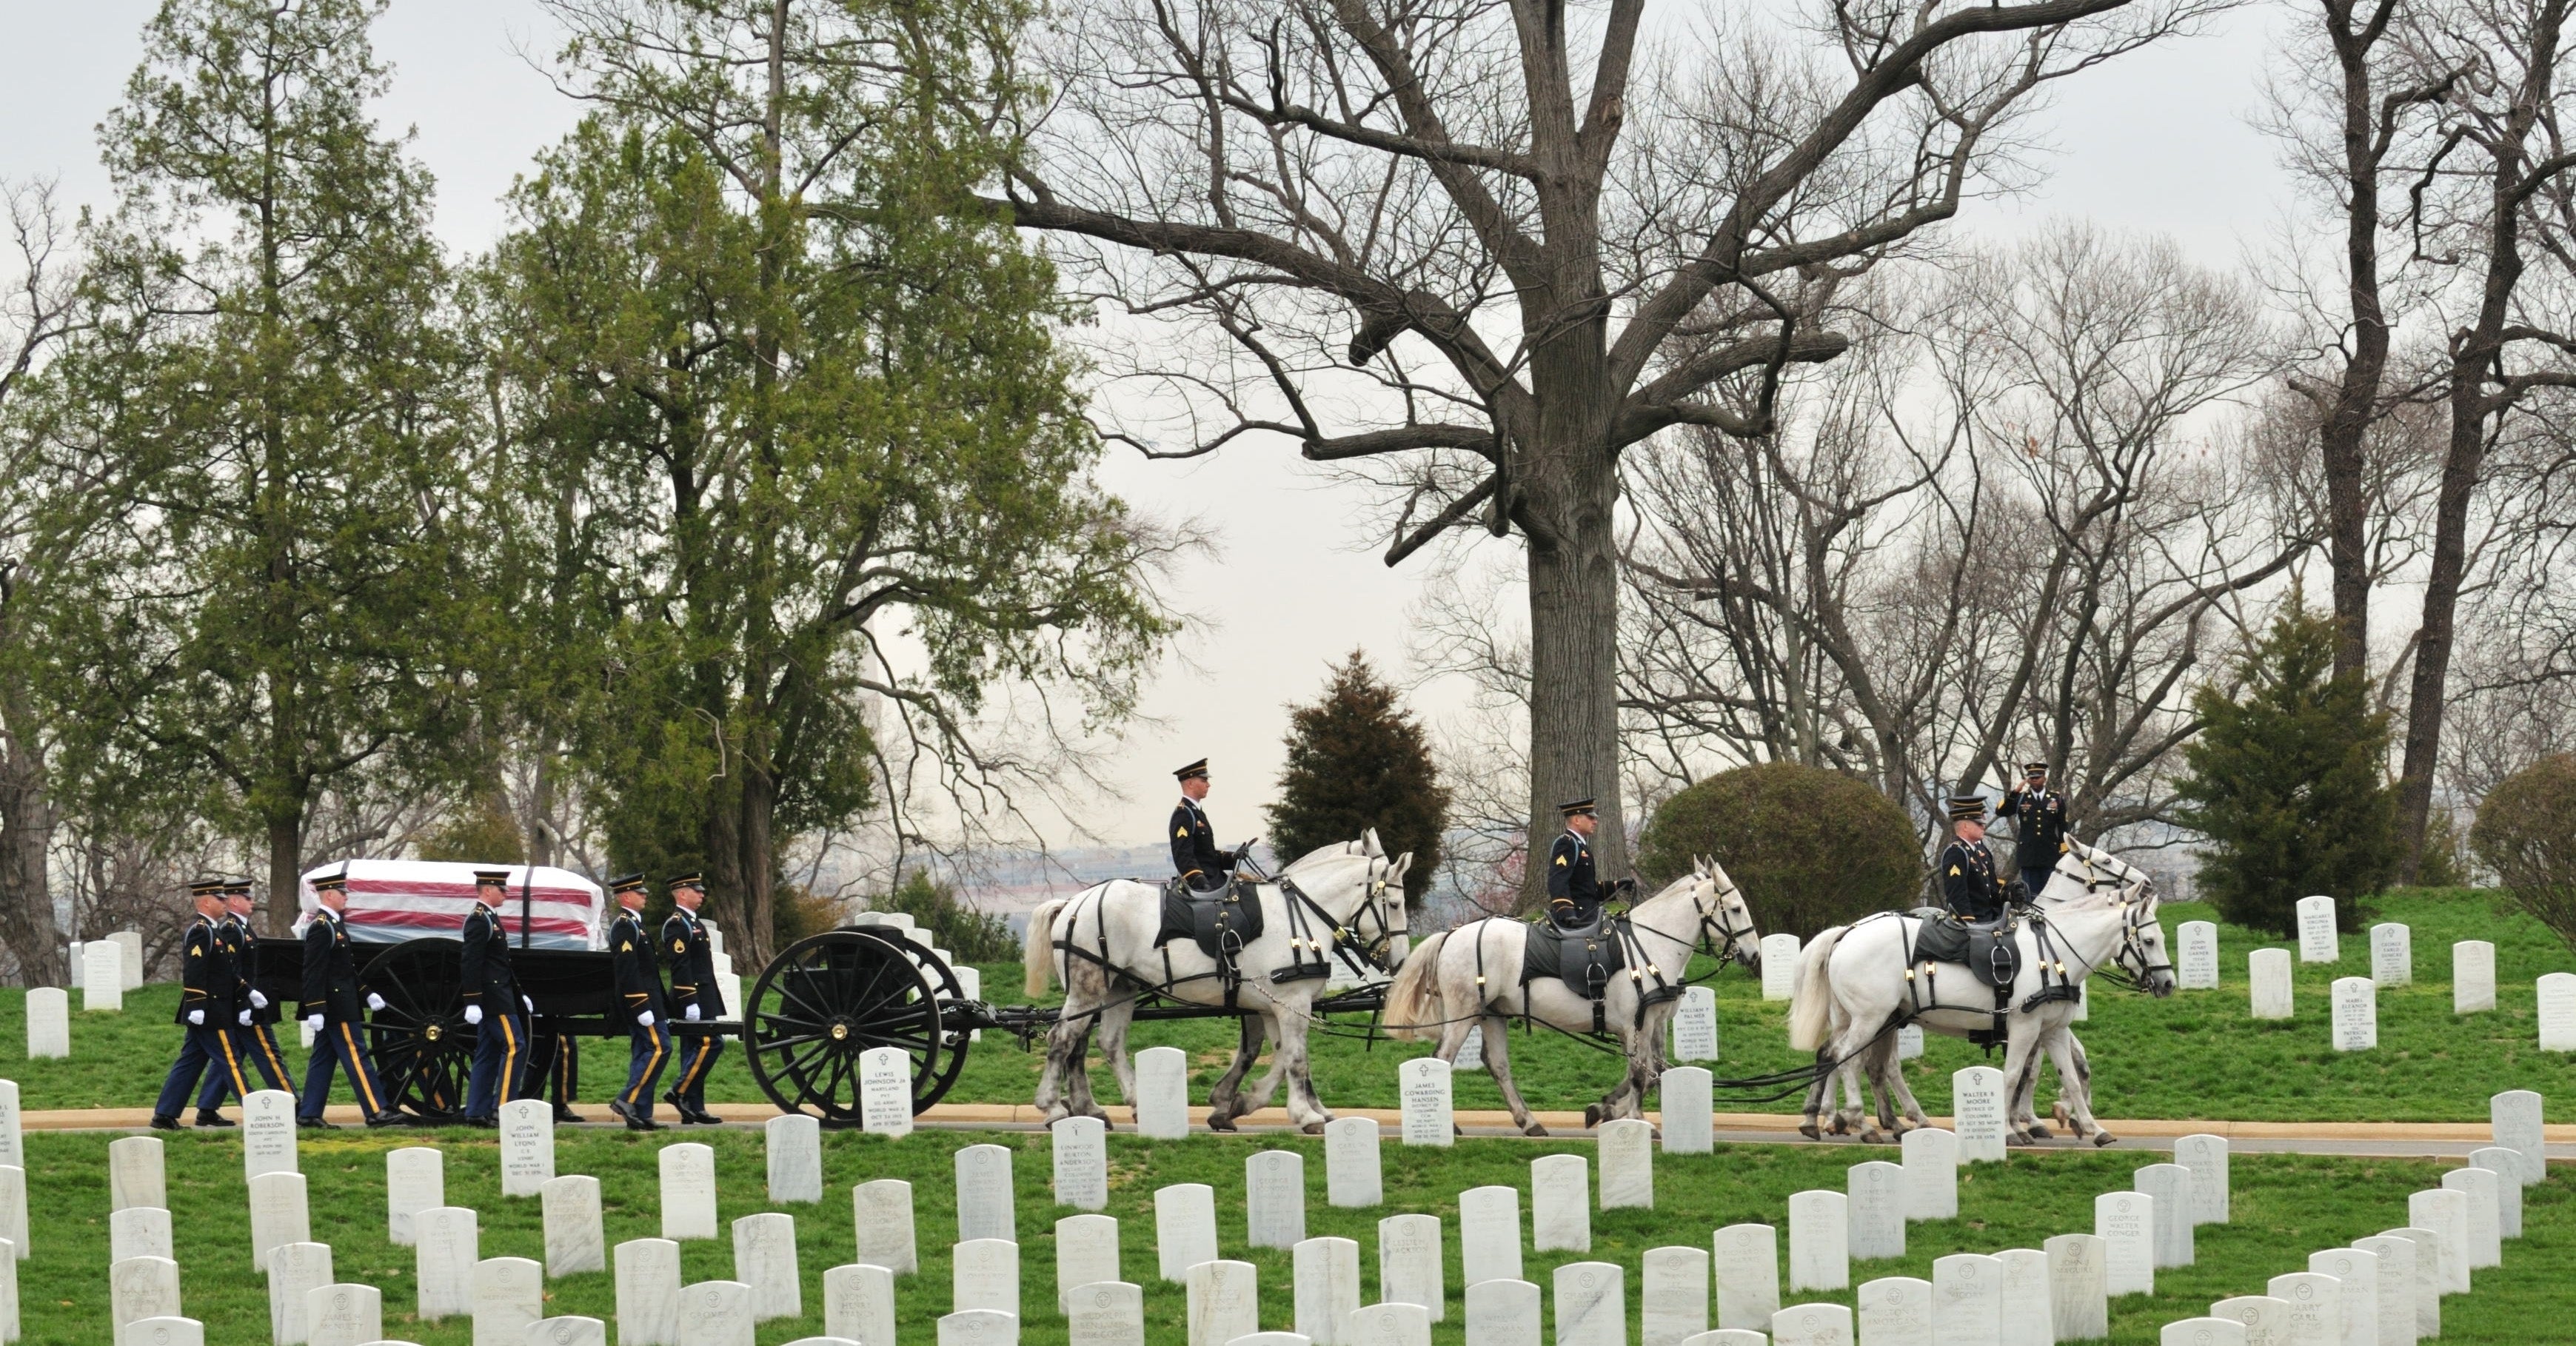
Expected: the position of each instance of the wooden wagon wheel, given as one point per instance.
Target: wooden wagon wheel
(830, 997)
(423, 1047)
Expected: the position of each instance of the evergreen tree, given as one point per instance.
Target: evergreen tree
(2289, 780)
(1356, 760)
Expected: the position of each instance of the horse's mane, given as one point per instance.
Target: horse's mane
(1339, 850)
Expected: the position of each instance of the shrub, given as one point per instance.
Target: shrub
(2289, 781)
(1356, 760)
(973, 936)
(1810, 848)
(2526, 833)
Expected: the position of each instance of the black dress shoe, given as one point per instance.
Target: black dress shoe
(205, 1118)
(672, 1097)
(316, 1124)
(568, 1115)
(635, 1123)
(161, 1123)
(389, 1118)
(486, 1123)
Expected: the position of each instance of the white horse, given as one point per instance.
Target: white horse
(1854, 984)
(1470, 977)
(1100, 943)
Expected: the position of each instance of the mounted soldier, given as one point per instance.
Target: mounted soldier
(1574, 893)
(1969, 885)
(1202, 867)
(2039, 825)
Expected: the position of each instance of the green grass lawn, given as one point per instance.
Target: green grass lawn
(2284, 1208)
(2197, 1054)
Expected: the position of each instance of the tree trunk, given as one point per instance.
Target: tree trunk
(285, 873)
(759, 863)
(26, 834)
(1574, 665)
(2346, 424)
(2434, 637)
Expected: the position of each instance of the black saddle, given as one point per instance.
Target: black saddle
(1582, 957)
(1987, 949)
(1220, 920)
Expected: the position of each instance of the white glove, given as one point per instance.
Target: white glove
(244, 1016)
(197, 1017)
(692, 1013)
(375, 1002)
(258, 1001)
(532, 1005)
(474, 1014)
(646, 1018)
(314, 1022)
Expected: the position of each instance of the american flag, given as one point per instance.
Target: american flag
(395, 900)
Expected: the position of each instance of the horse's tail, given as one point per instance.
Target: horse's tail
(1811, 1000)
(1037, 949)
(1413, 999)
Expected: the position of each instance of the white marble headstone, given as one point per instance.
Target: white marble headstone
(858, 1304)
(1106, 1313)
(1224, 1302)
(2473, 979)
(2316, 1307)
(882, 1212)
(2446, 1213)
(2266, 1320)
(1694, 1029)
(444, 1251)
(1672, 1296)
(1422, 1085)
(1819, 1251)
(527, 1146)
(648, 1293)
(985, 1204)
(1409, 1263)
(349, 1314)
(1729, 1336)
(13, 1212)
(1327, 1288)
(1489, 1234)
(1591, 1305)
(1931, 1173)
(2356, 1014)
(137, 1231)
(2356, 1274)
(2171, 1187)
(885, 1091)
(1274, 1199)
(688, 1191)
(1561, 1204)
(268, 1132)
(2026, 1317)
(2507, 1166)
(576, 1240)
(2513, 1121)
(2267, 973)
(509, 1296)
(2485, 1219)
(102, 983)
(2126, 1224)
(277, 1215)
(2397, 1287)
(2428, 1277)
(129, 947)
(49, 1023)
(1878, 1199)
(1184, 1229)
(764, 1258)
(1627, 1147)
(1779, 966)
(1162, 1093)
(1375, 1325)
(2203, 1332)
(2206, 1156)
(1812, 1325)
(135, 1177)
(1967, 1300)
(715, 1313)
(1690, 1109)
(139, 1287)
(2196, 955)
(295, 1270)
(1352, 1177)
(1086, 1250)
(2318, 942)
(1909, 1042)
(1977, 1097)
(576, 1330)
(2079, 1286)
(1471, 1051)
(1744, 1259)
(1503, 1313)
(985, 1274)
(1894, 1311)
(794, 1147)
(2392, 954)
(1081, 1154)
(415, 1181)
(2557, 993)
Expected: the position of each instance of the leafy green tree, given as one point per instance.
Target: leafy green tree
(974, 936)
(2289, 780)
(267, 395)
(1357, 760)
(1810, 848)
(802, 422)
(2526, 833)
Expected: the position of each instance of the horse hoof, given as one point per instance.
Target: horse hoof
(2101, 1138)
(1591, 1115)
(1217, 1123)
(1533, 1129)
(2064, 1117)
(1808, 1129)
(1313, 1128)
(2040, 1131)
(1873, 1136)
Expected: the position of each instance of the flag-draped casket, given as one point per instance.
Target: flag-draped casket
(395, 900)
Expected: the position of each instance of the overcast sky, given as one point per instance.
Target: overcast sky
(2158, 141)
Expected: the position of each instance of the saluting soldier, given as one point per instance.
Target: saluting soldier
(1573, 890)
(255, 1042)
(492, 1004)
(1969, 884)
(329, 1005)
(2039, 825)
(210, 1002)
(692, 961)
(639, 996)
(1195, 856)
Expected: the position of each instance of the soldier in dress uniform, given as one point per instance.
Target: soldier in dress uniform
(639, 996)
(692, 961)
(329, 1005)
(211, 1001)
(1574, 892)
(2039, 825)
(493, 1004)
(254, 1043)
(1969, 884)
(1195, 857)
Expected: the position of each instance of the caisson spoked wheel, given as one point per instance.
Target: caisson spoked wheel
(831, 997)
(423, 1047)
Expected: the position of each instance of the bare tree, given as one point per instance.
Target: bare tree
(1506, 241)
(2007, 531)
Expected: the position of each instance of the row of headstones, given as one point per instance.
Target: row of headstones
(2354, 1000)
(2392, 951)
(103, 970)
